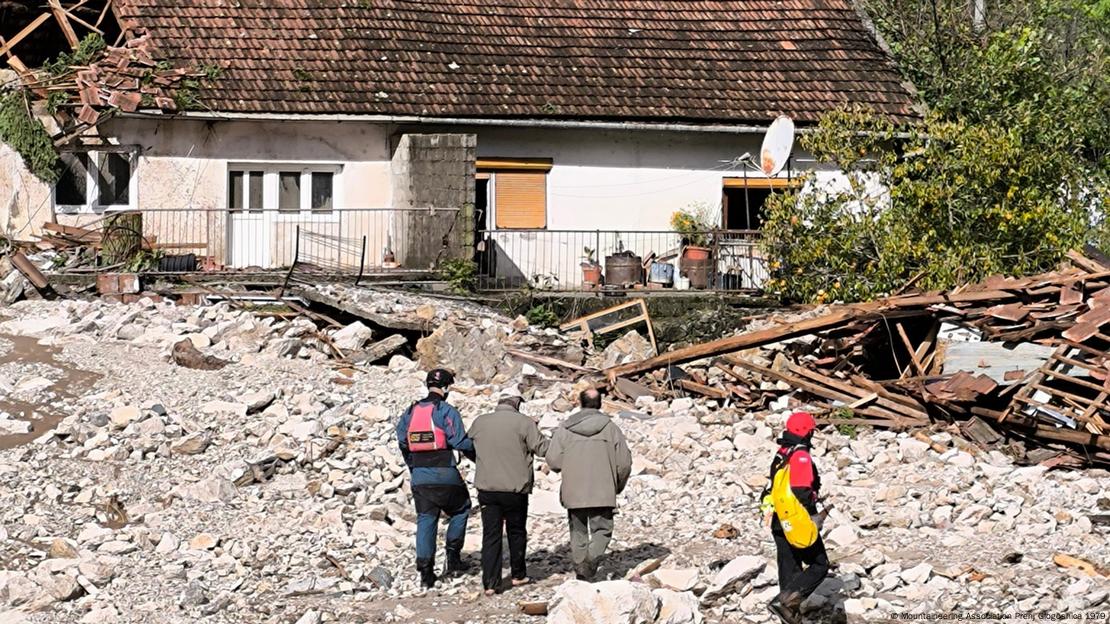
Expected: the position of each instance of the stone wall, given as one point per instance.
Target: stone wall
(433, 172)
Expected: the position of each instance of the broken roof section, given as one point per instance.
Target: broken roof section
(627, 60)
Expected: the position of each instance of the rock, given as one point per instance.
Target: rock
(194, 595)
(352, 337)
(374, 413)
(912, 449)
(425, 312)
(192, 444)
(117, 547)
(200, 341)
(62, 587)
(302, 431)
(186, 355)
(737, 572)
(224, 407)
(310, 617)
(16, 589)
(124, 415)
(14, 427)
(844, 535)
(100, 615)
(167, 544)
(853, 608)
(381, 577)
(61, 549)
(607, 602)
(917, 574)
(211, 490)
(677, 607)
(203, 541)
(257, 401)
(97, 572)
(630, 347)
(151, 427)
(677, 579)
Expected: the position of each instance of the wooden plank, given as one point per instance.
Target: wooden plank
(1087, 264)
(1075, 437)
(702, 389)
(735, 343)
(600, 313)
(28, 29)
(864, 383)
(549, 361)
(651, 330)
(63, 22)
(914, 362)
(620, 325)
(856, 393)
(82, 22)
(821, 391)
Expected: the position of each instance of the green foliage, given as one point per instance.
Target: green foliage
(87, 50)
(27, 136)
(542, 315)
(460, 274)
(55, 100)
(1006, 173)
(693, 223)
(588, 256)
(845, 413)
(145, 260)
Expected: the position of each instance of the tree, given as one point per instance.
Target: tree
(1005, 174)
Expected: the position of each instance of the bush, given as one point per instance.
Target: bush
(542, 316)
(460, 274)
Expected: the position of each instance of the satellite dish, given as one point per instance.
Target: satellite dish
(777, 144)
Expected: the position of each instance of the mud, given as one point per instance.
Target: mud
(71, 382)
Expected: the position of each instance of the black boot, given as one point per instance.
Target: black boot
(426, 567)
(455, 564)
(787, 607)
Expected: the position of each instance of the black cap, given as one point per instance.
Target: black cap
(439, 378)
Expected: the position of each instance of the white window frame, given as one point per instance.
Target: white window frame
(92, 182)
(270, 181)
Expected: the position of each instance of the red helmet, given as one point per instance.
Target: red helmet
(801, 424)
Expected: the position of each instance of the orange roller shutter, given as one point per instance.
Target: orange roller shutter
(520, 199)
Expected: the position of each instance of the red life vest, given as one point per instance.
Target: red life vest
(423, 434)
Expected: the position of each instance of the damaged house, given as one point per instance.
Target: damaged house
(387, 136)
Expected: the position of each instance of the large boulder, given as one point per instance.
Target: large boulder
(677, 607)
(352, 337)
(608, 602)
(478, 354)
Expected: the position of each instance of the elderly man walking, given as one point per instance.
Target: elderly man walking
(506, 442)
(591, 452)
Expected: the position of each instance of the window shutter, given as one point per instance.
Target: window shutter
(520, 199)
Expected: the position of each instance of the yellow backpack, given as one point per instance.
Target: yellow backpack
(797, 525)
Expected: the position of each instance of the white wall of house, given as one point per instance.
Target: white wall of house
(624, 181)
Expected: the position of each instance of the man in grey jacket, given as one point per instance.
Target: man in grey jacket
(505, 442)
(591, 452)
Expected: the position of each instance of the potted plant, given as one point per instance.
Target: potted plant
(693, 225)
(591, 270)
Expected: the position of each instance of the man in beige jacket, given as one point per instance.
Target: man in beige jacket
(591, 452)
(505, 442)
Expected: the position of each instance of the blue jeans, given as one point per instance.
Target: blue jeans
(431, 500)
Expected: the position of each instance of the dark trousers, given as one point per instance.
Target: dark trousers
(431, 501)
(503, 512)
(792, 576)
(591, 528)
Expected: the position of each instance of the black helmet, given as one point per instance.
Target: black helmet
(439, 378)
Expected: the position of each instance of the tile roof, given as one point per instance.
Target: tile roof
(649, 60)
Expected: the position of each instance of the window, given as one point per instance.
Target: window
(519, 196)
(95, 181)
(743, 199)
(291, 190)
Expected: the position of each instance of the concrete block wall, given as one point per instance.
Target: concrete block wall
(433, 171)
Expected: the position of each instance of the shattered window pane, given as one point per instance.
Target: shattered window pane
(113, 173)
(71, 186)
(255, 192)
(289, 191)
(322, 191)
(235, 191)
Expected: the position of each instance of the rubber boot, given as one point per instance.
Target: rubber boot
(455, 563)
(426, 567)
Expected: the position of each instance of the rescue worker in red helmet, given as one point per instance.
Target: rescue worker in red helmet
(429, 433)
(801, 570)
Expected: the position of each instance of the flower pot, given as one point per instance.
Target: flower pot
(591, 274)
(693, 252)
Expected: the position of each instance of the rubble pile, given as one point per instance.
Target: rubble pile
(270, 489)
(1008, 361)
